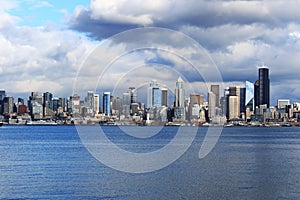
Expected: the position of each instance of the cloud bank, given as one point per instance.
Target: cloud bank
(237, 35)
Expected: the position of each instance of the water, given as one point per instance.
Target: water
(247, 163)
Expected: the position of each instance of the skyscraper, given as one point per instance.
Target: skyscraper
(164, 97)
(249, 101)
(155, 95)
(126, 104)
(211, 105)
(96, 104)
(234, 110)
(106, 103)
(262, 87)
(2, 95)
(133, 95)
(216, 90)
(47, 101)
(179, 93)
(234, 96)
(179, 110)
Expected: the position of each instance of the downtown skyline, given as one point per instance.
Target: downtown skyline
(44, 43)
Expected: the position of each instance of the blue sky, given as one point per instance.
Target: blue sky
(41, 13)
(43, 44)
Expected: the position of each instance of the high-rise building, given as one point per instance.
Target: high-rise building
(106, 103)
(211, 105)
(179, 93)
(89, 100)
(154, 98)
(74, 105)
(262, 87)
(179, 110)
(133, 95)
(233, 108)
(242, 100)
(47, 103)
(126, 104)
(164, 96)
(96, 104)
(8, 105)
(216, 90)
(249, 101)
(233, 100)
(2, 95)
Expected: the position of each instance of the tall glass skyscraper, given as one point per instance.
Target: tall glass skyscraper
(106, 103)
(262, 87)
(249, 102)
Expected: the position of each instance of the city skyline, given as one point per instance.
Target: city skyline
(238, 106)
(44, 43)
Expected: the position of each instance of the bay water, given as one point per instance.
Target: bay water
(44, 162)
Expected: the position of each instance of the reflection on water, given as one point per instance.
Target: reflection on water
(247, 163)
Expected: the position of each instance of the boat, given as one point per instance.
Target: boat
(41, 123)
(1, 124)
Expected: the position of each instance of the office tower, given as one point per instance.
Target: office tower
(233, 103)
(56, 103)
(63, 104)
(47, 100)
(283, 103)
(216, 90)
(74, 106)
(226, 102)
(243, 100)
(106, 103)
(96, 103)
(194, 106)
(154, 96)
(117, 106)
(179, 93)
(211, 105)
(126, 104)
(2, 95)
(179, 110)
(8, 105)
(164, 97)
(233, 108)
(249, 101)
(133, 95)
(89, 100)
(262, 87)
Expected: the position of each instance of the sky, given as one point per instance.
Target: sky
(54, 45)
